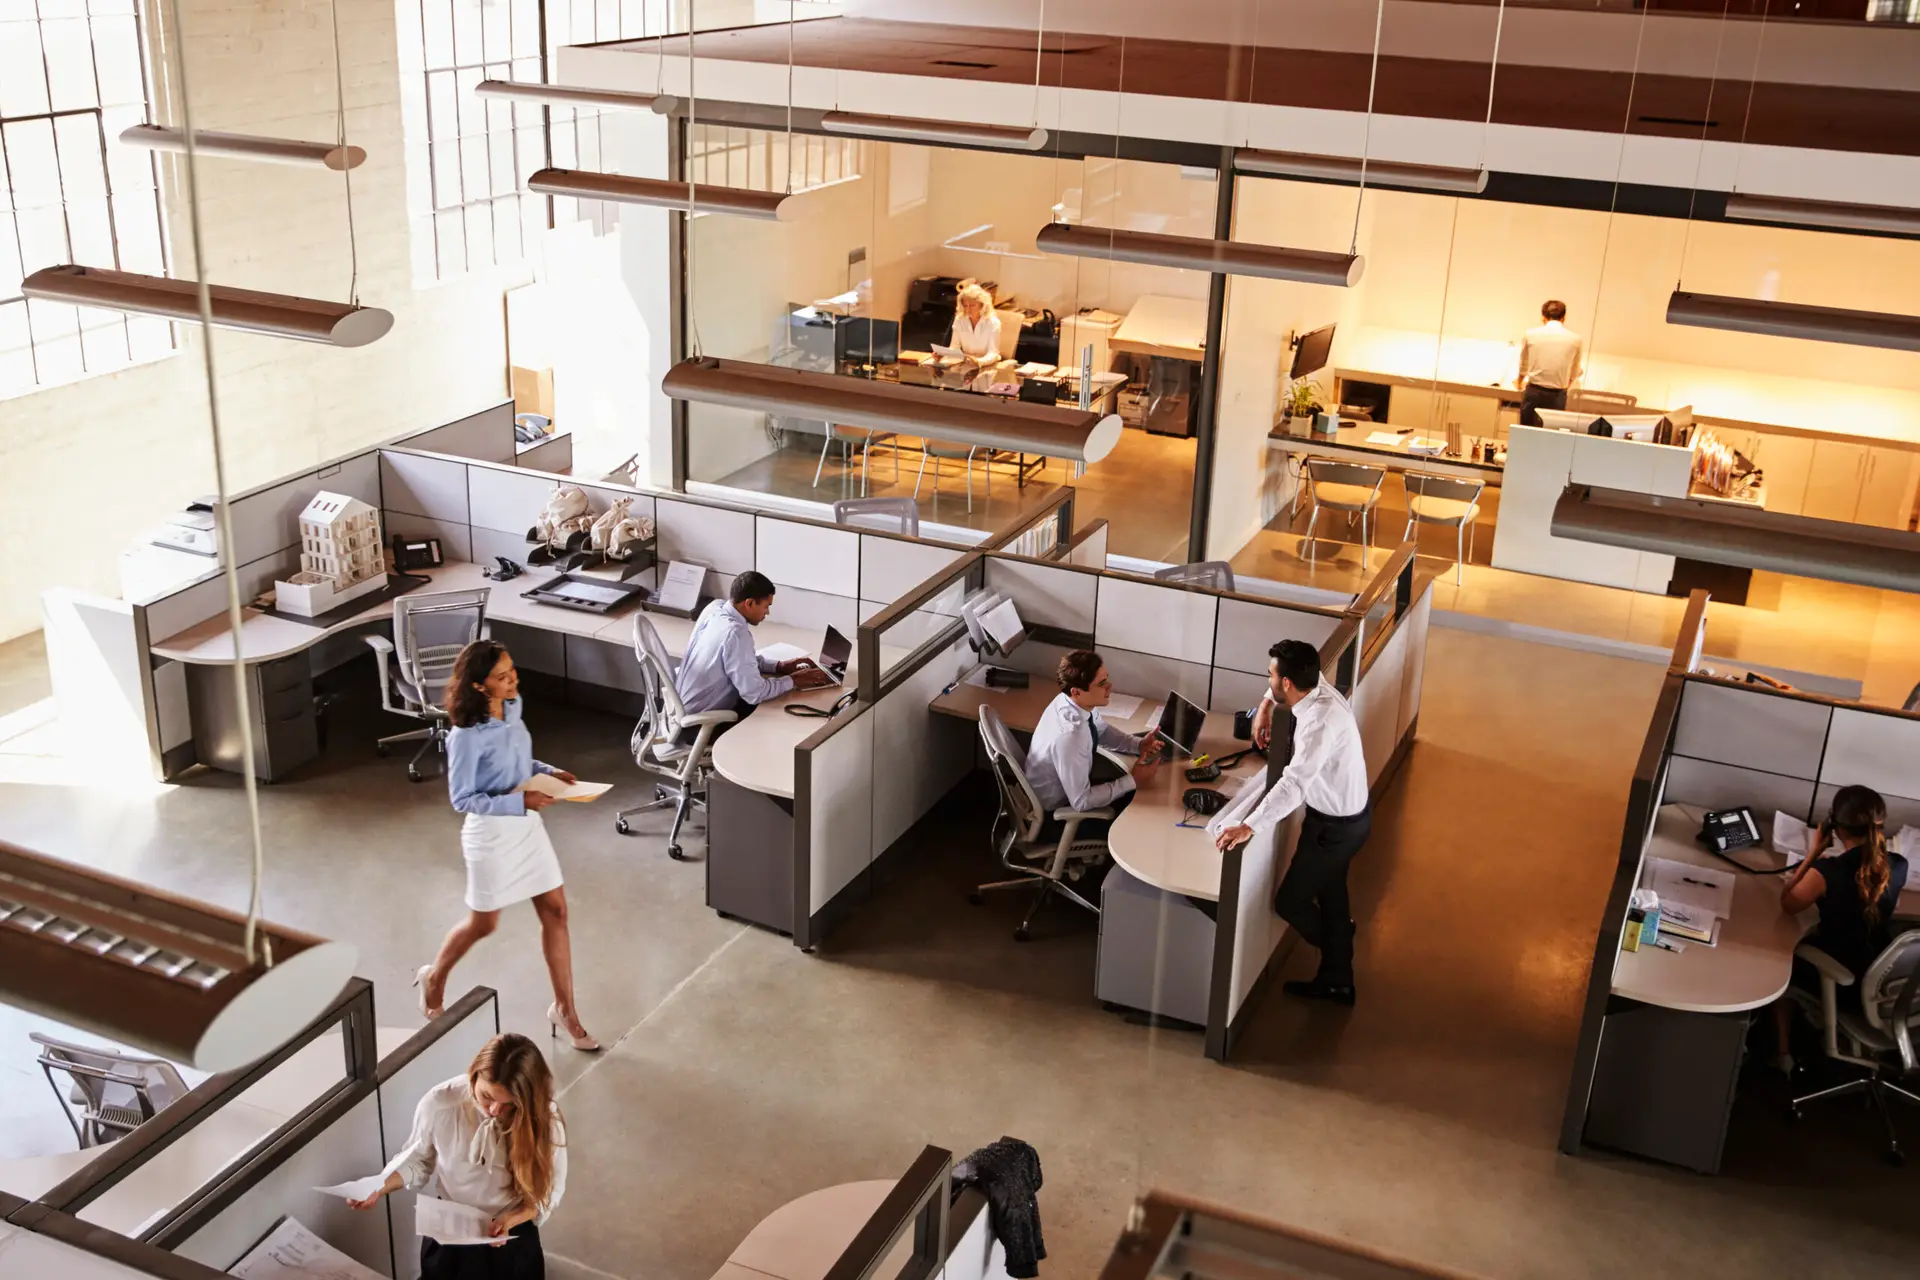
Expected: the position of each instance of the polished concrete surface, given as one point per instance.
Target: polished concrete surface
(741, 1073)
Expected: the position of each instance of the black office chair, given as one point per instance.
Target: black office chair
(1877, 1040)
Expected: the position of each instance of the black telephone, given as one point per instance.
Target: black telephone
(416, 553)
(504, 570)
(1728, 829)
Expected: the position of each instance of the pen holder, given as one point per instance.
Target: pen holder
(1243, 726)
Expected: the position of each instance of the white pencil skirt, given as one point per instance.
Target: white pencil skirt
(509, 859)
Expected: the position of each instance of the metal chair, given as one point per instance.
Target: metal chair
(850, 438)
(895, 515)
(1019, 826)
(1444, 500)
(1217, 574)
(1879, 1038)
(430, 628)
(1343, 486)
(937, 451)
(656, 744)
(110, 1093)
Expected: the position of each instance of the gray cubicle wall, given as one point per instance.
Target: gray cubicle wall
(486, 436)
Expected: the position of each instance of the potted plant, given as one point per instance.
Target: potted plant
(1303, 399)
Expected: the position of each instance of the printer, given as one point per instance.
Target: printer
(194, 530)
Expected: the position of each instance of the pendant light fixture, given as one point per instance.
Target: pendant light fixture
(1231, 257)
(662, 193)
(1824, 213)
(937, 132)
(279, 315)
(1731, 534)
(1424, 177)
(163, 974)
(1795, 320)
(1078, 435)
(568, 96)
(243, 146)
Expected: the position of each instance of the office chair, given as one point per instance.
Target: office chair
(1882, 1029)
(111, 1093)
(936, 450)
(655, 741)
(1018, 832)
(1217, 574)
(430, 628)
(895, 515)
(849, 439)
(1444, 500)
(1343, 486)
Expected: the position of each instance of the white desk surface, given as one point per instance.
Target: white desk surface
(802, 1239)
(757, 753)
(1162, 326)
(1145, 839)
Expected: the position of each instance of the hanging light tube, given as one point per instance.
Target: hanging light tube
(1824, 213)
(663, 193)
(165, 974)
(1731, 534)
(1233, 257)
(908, 129)
(568, 95)
(1795, 320)
(1078, 435)
(277, 315)
(245, 146)
(1387, 173)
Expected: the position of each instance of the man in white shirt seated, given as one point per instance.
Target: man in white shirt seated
(1061, 756)
(1549, 364)
(720, 670)
(1327, 775)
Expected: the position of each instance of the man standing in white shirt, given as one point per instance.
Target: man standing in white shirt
(1549, 364)
(1327, 775)
(1060, 757)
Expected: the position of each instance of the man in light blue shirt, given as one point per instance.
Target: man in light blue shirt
(720, 670)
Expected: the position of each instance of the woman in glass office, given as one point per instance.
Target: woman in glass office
(509, 857)
(976, 329)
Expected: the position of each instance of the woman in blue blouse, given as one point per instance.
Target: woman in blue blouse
(509, 858)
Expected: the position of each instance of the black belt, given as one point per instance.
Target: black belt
(1337, 820)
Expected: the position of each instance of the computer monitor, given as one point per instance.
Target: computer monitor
(865, 341)
(1311, 353)
(1180, 724)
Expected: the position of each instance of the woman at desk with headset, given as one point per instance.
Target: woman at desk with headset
(509, 857)
(1855, 880)
(976, 329)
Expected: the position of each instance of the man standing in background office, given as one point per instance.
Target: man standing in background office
(1549, 364)
(1327, 775)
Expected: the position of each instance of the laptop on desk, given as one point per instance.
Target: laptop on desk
(836, 652)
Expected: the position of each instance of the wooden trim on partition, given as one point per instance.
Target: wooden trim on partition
(149, 693)
(437, 1029)
(1691, 638)
(920, 1193)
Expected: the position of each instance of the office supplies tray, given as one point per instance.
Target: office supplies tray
(586, 592)
(398, 584)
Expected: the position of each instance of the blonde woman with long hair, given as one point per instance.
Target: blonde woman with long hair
(492, 1139)
(976, 329)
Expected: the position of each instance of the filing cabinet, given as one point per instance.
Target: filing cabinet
(280, 712)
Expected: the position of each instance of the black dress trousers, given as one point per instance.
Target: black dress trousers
(1312, 896)
(519, 1258)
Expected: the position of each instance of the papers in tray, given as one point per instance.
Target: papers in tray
(292, 1252)
(680, 586)
(547, 784)
(448, 1222)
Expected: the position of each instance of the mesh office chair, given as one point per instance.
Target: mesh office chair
(1019, 831)
(657, 749)
(1217, 574)
(110, 1093)
(1879, 1038)
(936, 450)
(1343, 486)
(1444, 500)
(895, 515)
(430, 628)
(849, 439)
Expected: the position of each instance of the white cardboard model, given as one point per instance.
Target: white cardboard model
(341, 556)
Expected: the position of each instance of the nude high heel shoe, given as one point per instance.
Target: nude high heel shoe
(558, 1025)
(420, 977)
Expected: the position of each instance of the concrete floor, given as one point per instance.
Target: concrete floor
(741, 1073)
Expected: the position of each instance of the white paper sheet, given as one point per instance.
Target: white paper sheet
(1385, 437)
(1789, 836)
(1121, 706)
(1002, 624)
(550, 785)
(448, 1222)
(1708, 888)
(680, 587)
(1906, 843)
(358, 1189)
(291, 1251)
(783, 652)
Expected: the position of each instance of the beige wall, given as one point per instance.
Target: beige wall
(105, 459)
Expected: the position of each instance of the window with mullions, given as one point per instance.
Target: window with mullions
(756, 159)
(72, 76)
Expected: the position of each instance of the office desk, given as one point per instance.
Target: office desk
(972, 379)
(1171, 328)
(802, 1239)
(1349, 443)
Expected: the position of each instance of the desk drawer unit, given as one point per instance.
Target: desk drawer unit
(1664, 1083)
(279, 712)
(1131, 917)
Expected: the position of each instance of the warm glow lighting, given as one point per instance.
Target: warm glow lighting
(278, 315)
(243, 146)
(1824, 213)
(1795, 320)
(1386, 173)
(1231, 257)
(906, 129)
(567, 95)
(661, 193)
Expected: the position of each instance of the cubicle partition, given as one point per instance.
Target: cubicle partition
(486, 436)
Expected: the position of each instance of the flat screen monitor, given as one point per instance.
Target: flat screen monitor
(1310, 355)
(1180, 724)
(870, 341)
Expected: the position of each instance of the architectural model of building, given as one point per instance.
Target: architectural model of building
(341, 557)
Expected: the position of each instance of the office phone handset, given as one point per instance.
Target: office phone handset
(1728, 829)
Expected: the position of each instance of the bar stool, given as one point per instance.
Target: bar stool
(1343, 486)
(1444, 500)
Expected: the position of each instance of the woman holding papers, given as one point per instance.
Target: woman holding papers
(976, 329)
(493, 1144)
(1854, 879)
(509, 858)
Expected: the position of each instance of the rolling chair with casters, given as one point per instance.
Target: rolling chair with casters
(683, 767)
(1343, 486)
(1217, 574)
(1018, 827)
(112, 1092)
(849, 439)
(430, 628)
(895, 515)
(1878, 1039)
(1444, 500)
(936, 450)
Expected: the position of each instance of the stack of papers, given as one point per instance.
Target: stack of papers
(449, 1222)
(1122, 706)
(292, 1252)
(1693, 900)
(550, 785)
